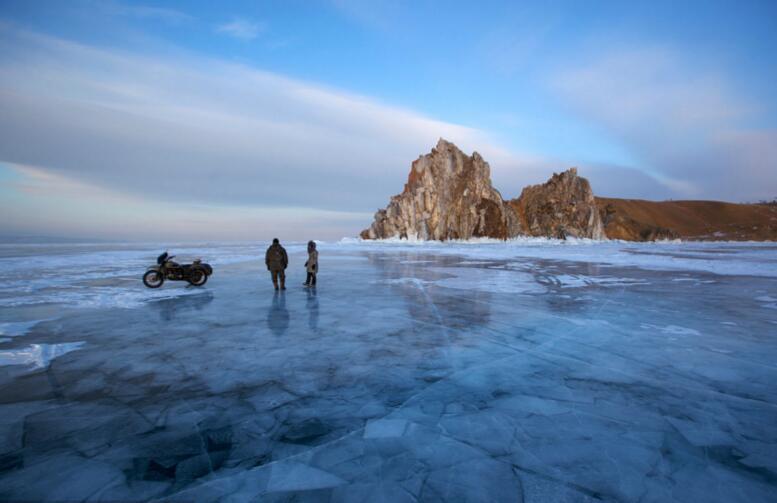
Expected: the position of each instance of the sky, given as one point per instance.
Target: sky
(198, 120)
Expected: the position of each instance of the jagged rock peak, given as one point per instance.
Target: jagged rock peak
(448, 195)
(446, 150)
(561, 207)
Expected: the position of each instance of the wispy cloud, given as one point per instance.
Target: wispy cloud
(241, 28)
(57, 205)
(690, 129)
(210, 132)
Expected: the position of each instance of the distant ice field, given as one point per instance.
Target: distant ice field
(729, 258)
(81, 275)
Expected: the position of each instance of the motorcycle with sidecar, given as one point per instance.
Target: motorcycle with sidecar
(166, 268)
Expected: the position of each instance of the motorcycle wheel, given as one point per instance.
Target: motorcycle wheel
(197, 277)
(153, 279)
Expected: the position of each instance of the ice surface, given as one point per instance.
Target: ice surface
(489, 280)
(733, 258)
(13, 329)
(532, 370)
(291, 476)
(385, 428)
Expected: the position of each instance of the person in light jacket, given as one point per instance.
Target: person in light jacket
(311, 266)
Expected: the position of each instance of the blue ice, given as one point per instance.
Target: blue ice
(531, 370)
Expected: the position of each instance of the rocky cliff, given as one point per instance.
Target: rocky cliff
(562, 207)
(448, 195)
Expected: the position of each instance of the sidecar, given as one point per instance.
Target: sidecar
(205, 266)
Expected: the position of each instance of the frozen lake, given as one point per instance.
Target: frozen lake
(528, 371)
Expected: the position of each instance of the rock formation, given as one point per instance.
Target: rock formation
(564, 206)
(448, 195)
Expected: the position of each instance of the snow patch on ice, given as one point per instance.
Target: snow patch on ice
(522, 240)
(17, 328)
(37, 355)
(578, 281)
(767, 301)
(671, 329)
(102, 297)
(402, 281)
(695, 281)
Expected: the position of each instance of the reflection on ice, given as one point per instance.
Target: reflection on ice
(312, 306)
(171, 307)
(278, 315)
(490, 280)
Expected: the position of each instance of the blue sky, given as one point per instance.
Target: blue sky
(301, 118)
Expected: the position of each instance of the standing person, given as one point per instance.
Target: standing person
(312, 264)
(277, 261)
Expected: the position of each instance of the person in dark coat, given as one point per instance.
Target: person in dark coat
(311, 266)
(277, 261)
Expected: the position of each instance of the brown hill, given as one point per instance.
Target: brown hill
(639, 220)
